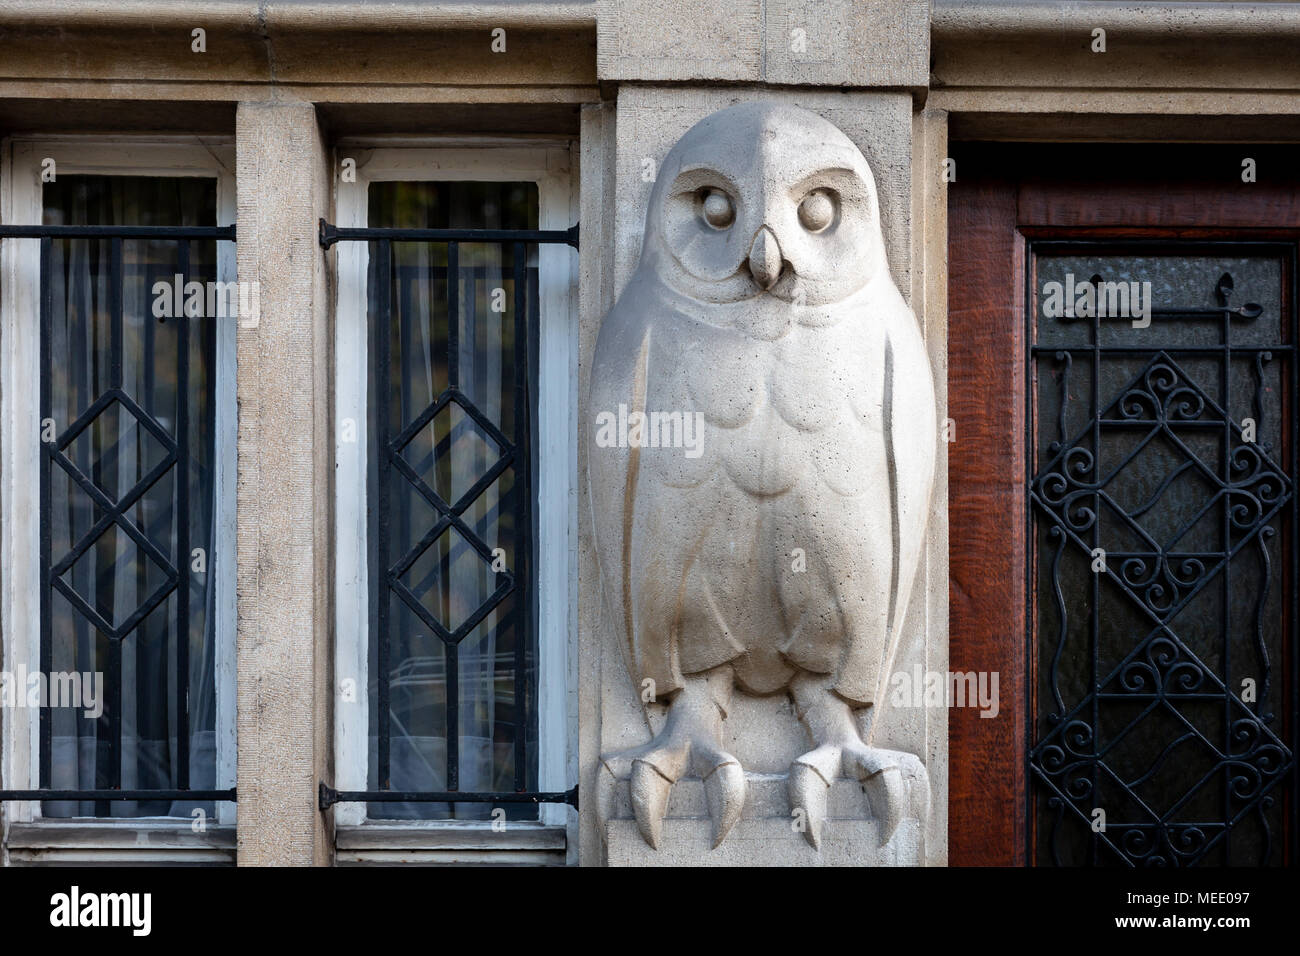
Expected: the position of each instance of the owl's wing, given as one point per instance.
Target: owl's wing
(910, 418)
(911, 435)
(618, 377)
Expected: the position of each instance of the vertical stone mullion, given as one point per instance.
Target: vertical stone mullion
(283, 538)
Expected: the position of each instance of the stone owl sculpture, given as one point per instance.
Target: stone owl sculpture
(779, 554)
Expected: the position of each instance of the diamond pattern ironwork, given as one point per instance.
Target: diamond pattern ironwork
(114, 511)
(450, 521)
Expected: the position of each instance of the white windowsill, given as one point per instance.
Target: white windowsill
(119, 842)
(450, 843)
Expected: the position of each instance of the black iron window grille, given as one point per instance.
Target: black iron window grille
(162, 572)
(1162, 469)
(423, 524)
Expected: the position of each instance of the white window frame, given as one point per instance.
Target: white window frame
(552, 166)
(21, 160)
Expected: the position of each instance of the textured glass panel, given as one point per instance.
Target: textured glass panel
(121, 568)
(453, 441)
(1162, 486)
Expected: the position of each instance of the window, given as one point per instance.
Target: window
(456, 404)
(118, 432)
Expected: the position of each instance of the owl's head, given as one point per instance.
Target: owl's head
(764, 199)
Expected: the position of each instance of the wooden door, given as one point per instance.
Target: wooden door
(1121, 490)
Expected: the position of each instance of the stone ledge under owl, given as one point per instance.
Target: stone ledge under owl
(765, 834)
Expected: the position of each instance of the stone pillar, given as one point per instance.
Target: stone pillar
(283, 496)
(596, 295)
(881, 50)
(929, 300)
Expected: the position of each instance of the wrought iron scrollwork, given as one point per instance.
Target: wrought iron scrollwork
(1146, 580)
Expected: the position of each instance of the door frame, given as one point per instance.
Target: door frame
(1007, 196)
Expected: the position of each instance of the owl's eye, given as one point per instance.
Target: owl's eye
(817, 210)
(717, 209)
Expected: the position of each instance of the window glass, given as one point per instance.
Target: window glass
(452, 650)
(129, 497)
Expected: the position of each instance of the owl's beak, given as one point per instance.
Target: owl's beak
(765, 259)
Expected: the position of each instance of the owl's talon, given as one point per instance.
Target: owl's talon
(808, 792)
(725, 790)
(885, 791)
(689, 743)
(894, 782)
(650, 790)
